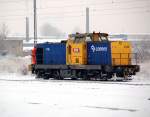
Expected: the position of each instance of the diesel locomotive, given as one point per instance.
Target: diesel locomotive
(84, 56)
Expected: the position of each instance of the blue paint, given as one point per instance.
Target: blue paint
(53, 53)
(98, 53)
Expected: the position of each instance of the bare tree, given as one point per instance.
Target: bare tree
(3, 31)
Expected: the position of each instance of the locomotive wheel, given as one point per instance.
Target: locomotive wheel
(46, 77)
(104, 78)
(58, 76)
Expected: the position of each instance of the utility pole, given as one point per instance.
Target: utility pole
(35, 23)
(87, 20)
(27, 20)
(27, 29)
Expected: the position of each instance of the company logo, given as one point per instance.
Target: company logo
(98, 49)
(93, 48)
(76, 50)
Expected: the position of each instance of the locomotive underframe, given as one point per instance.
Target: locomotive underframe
(84, 72)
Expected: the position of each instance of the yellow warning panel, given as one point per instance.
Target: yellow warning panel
(76, 53)
(121, 52)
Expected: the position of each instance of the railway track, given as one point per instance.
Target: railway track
(80, 81)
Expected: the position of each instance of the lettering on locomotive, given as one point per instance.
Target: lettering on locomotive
(97, 49)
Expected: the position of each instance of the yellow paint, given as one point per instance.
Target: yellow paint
(76, 53)
(121, 52)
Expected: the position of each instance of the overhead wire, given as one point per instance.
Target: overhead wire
(123, 1)
(61, 17)
(73, 13)
(12, 2)
(93, 4)
(122, 13)
(74, 5)
(126, 8)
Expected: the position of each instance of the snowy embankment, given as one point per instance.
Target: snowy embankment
(15, 68)
(144, 74)
(72, 99)
(13, 64)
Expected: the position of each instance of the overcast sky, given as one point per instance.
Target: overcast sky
(112, 16)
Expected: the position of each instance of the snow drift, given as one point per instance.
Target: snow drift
(13, 64)
(144, 73)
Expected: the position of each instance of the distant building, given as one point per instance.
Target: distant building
(14, 47)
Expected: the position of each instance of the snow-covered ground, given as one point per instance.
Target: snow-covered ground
(25, 96)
